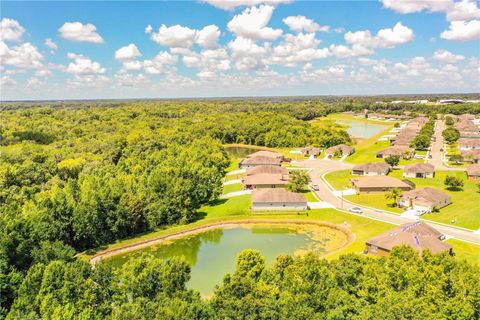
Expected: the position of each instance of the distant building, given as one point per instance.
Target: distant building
(417, 235)
(378, 184)
(473, 171)
(371, 169)
(425, 199)
(450, 101)
(266, 153)
(278, 199)
(419, 170)
(344, 149)
(266, 180)
(311, 151)
(402, 151)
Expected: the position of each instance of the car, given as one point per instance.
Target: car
(355, 210)
(315, 187)
(441, 149)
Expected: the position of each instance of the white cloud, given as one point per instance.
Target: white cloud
(34, 82)
(148, 29)
(131, 80)
(385, 38)
(463, 11)
(24, 56)
(232, 4)
(342, 51)
(252, 24)
(10, 30)
(82, 65)
(175, 36)
(77, 31)
(247, 54)
(126, 53)
(6, 81)
(51, 44)
(208, 60)
(88, 81)
(411, 6)
(447, 57)
(462, 31)
(296, 49)
(208, 37)
(302, 23)
(339, 30)
(160, 64)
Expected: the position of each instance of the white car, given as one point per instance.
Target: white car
(355, 210)
(315, 187)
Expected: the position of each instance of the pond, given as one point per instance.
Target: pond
(240, 152)
(211, 254)
(360, 129)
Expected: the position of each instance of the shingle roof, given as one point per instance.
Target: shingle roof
(266, 153)
(379, 182)
(395, 150)
(266, 169)
(428, 194)
(311, 150)
(473, 170)
(346, 149)
(261, 160)
(277, 196)
(372, 167)
(417, 235)
(419, 168)
(266, 178)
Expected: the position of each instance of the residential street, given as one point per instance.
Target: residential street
(319, 167)
(437, 155)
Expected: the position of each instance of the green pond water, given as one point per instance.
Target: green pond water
(359, 129)
(211, 254)
(240, 152)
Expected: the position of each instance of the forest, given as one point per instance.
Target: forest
(78, 175)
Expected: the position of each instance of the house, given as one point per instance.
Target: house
(376, 184)
(419, 170)
(469, 144)
(266, 153)
(401, 151)
(260, 160)
(371, 169)
(311, 151)
(344, 149)
(473, 171)
(266, 180)
(471, 155)
(425, 199)
(278, 199)
(418, 235)
(267, 169)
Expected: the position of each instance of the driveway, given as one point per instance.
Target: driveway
(320, 167)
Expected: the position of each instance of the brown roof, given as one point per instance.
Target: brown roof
(266, 178)
(474, 154)
(396, 150)
(469, 142)
(276, 195)
(266, 153)
(311, 150)
(379, 182)
(372, 167)
(261, 160)
(418, 235)
(266, 169)
(430, 195)
(419, 168)
(473, 170)
(343, 147)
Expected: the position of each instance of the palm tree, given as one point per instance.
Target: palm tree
(394, 194)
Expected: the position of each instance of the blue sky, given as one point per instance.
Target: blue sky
(71, 50)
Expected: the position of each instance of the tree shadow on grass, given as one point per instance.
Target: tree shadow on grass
(455, 189)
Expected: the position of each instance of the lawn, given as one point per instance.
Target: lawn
(230, 177)
(232, 188)
(310, 196)
(465, 250)
(462, 211)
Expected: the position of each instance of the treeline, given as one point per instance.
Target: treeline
(423, 139)
(403, 286)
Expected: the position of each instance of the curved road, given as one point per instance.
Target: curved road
(320, 167)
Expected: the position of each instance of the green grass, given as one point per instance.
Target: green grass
(465, 251)
(339, 179)
(310, 196)
(233, 164)
(232, 188)
(234, 176)
(374, 200)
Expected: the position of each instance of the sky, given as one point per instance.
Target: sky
(218, 48)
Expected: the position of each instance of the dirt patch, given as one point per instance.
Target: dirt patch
(350, 237)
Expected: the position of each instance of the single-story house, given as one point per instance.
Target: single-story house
(473, 171)
(266, 153)
(344, 149)
(376, 184)
(266, 180)
(371, 169)
(471, 155)
(425, 199)
(267, 169)
(311, 151)
(419, 170)
(418, 235)
(469, 144)
(402, 151)
(278, 199)
(259, 160)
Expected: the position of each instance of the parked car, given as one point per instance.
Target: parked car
(355, 210)
(315, 187)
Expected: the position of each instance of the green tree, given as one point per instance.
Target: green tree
(451, 135)
(453, 183)
(449, 121)
(393, 160)
(421, 142)
(298, 181)
(394, 194)
(456, 158)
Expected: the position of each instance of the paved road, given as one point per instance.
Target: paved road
(437, 155)
(319, 167)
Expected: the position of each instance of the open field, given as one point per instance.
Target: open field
(462, 211)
